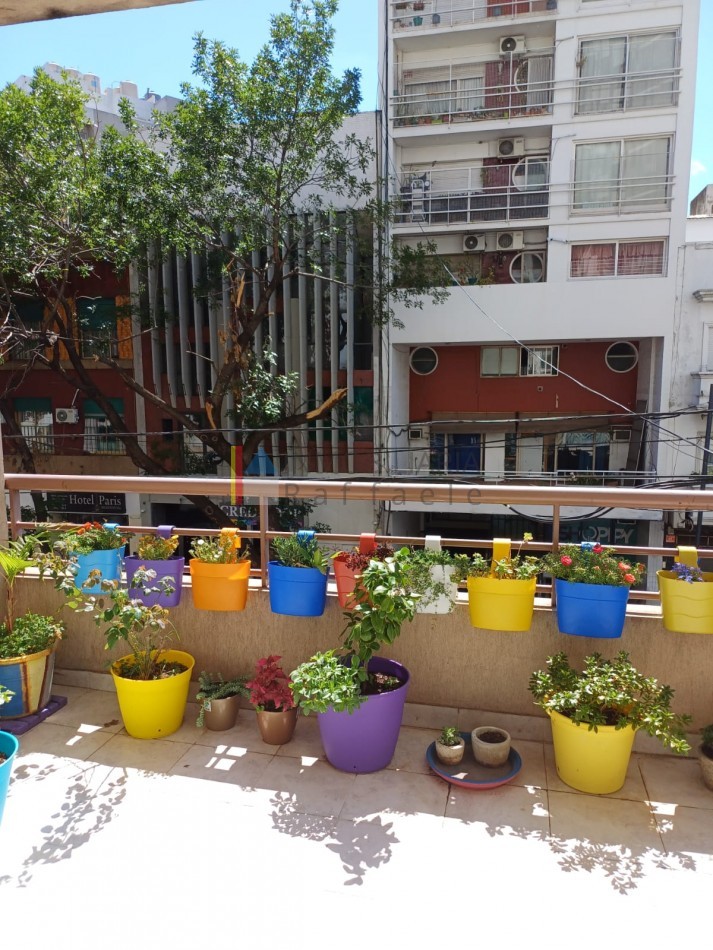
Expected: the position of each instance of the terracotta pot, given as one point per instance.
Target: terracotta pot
(490, 753)
(221, 714)
(706, 769)
(276, 728)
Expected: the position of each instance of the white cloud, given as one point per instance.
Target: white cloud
(697, 167)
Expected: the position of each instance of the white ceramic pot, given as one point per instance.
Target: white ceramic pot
(491, 745)
(450, 754)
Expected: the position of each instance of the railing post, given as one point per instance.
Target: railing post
(263, 512)
(555, 544)
(15, 514)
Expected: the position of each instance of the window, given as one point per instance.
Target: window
(622, 175)
(34, 416)
(539, 361)
(97, 324)
(637, 71)
(99, 438)
(499, 361)
(618, 259)
(527, 268)
(621, 357)
(25, 341)
(423, 361)
(456, 452)
(582, 452)
(530, 174)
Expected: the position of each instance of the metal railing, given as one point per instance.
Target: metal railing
(433, 14)
(436, 495)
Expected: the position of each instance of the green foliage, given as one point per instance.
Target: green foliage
(300, 552)
(421, 579)
(30, 633)
(378, 617)
(215, 687)
(450, 736)
(153, 548)
(89, 537)
(518, 568)
(610, 693)
(223, 549)
(326, 682)
(5, 695)
(591, 564)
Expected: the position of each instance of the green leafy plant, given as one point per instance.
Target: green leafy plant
(270, 689)
(325, 682)
(211, 688)
(421, 579)
(5, 695)
(610, 693)
(450, 736)
(358, 562)
(31, 633)
(224, 549)
(296, 551)
(153, 548)
(589, 563)
(707, 740)
(519, 567)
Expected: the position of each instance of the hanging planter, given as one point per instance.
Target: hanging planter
(686, 595)
(591, 589)
(93, 547)
(298, 578)
(350, 565)
(156, 554)
(219, 573)
(432, 572)
(501, 593)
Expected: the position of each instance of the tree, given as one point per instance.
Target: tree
(245, 171)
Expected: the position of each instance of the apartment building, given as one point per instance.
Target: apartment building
(544, 147)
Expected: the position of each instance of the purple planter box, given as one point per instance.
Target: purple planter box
(172, 568)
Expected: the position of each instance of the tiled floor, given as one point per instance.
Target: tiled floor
(215, 838)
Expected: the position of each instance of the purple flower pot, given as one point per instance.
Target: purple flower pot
(365, 740)
(171, 568)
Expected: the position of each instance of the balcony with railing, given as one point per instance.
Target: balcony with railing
(518, 191)
(440, 14)
(518, 85)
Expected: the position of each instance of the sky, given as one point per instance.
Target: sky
(153, 48)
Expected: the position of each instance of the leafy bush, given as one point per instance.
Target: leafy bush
(609, 693)
(325, 682)
(153, 548)
(31, 633)
(225, 549)
(591, 564)
(296, 551)
(210, 688)
(89, 537)
(270, 686)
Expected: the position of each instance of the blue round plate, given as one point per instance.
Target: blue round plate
(469, 773)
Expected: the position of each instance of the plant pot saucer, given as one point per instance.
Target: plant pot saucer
(469, 773)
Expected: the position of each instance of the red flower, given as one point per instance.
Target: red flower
(597, 549)
(629, 578)
(566, 560)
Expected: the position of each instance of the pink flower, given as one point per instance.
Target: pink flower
(565, 560)
(629, 578)
(623, 567)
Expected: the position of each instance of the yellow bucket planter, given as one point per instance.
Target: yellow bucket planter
(594, 762)
(152, 709)
(501, 603)
(686, 608)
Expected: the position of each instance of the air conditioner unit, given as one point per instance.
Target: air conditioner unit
(69, 416)
(508, 148)
(512, 45)
(621, 435)
(416, 434)
(473, 242)
(510, 240)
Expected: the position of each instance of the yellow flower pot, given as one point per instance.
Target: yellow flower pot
(501, 604)
(219, 586)
(153, 709)
(686, 608)
(594, 762)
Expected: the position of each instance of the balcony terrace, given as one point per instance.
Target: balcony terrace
(445, 14)
(197, 818)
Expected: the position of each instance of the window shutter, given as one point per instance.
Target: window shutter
(123, 328)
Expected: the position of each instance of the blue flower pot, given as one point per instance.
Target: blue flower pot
(591, 610)
(8, 747)
(297, 591)
(108, 562)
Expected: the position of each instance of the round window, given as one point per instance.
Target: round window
(423, 360)
(621, 357)
(527, 268)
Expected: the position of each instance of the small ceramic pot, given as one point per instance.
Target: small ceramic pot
(276, 728)
(450, 754)
(221, 714)
(706, 769)
(491, 746)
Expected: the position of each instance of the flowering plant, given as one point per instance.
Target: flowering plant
(91, 536)
(153, 548)
(590, 563)
(270, 686)
(225, 549)
(358, 562)
(519, 567)
(691, 574)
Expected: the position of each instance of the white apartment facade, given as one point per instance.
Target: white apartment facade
(544, 147)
